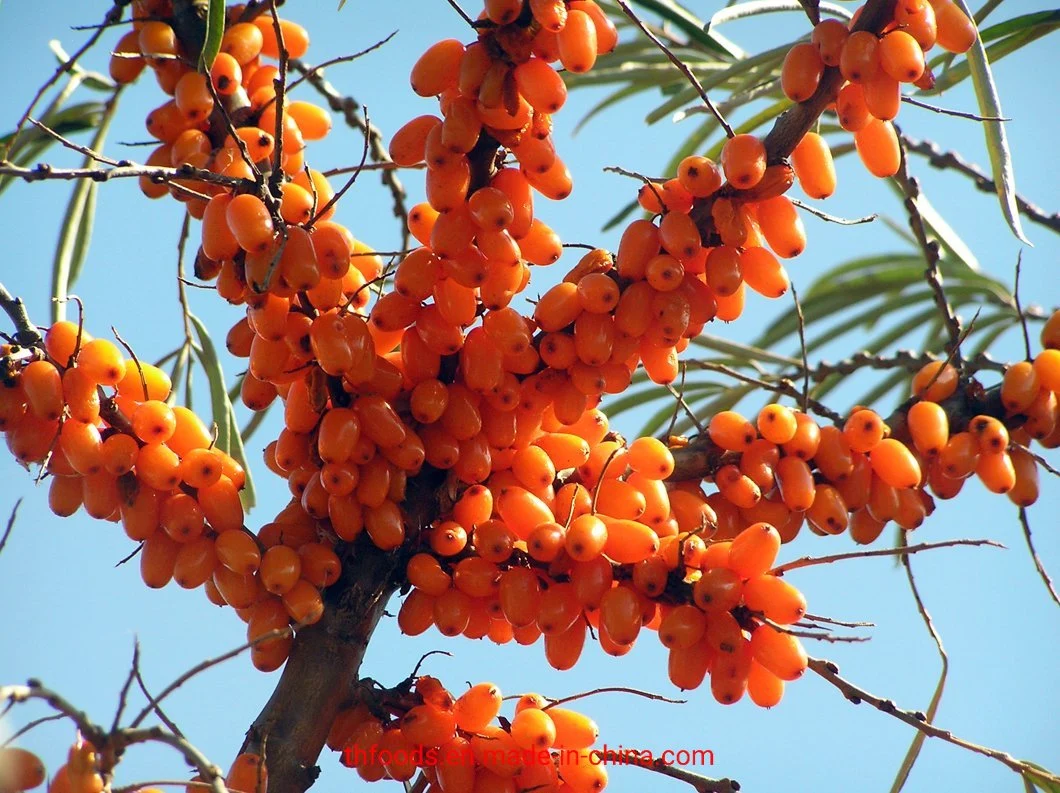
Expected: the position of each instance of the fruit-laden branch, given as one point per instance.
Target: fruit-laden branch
(702, 457)
(322, 672)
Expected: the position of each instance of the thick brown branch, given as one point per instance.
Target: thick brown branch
(322, 671)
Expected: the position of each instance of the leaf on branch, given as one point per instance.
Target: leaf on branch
(215, 28)
(33, 142)
(996, 139)
(696, 30)
(76, 234)
(229, 439)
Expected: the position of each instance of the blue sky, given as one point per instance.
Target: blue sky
(71, 618)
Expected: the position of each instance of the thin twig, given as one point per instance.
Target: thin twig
(819, 635)
(808, 561)
(10, 524)
(614, 690)
(136, 361)
(936, 698)
(681, 66)
(947, 112)
(202, 666)
(155, 706)
(157, 174)
(840, 623)
(949, 160)
(1025, 523)
(350, 110)
(782, 386)
(802, 347)
(65, 67)
(334, 62)
(85, 150)
(29, 726)
(911, 189)
(833, 218)
(1019, 309)
(349, 182)
(1037, 458)
(463, 14)
(129, 558)
(123, 697)
(918, 721)
(276, 178)
(680, 397)
(700, 783)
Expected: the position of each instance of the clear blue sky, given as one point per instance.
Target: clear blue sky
(71, 618)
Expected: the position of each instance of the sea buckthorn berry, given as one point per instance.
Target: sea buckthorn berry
(154, 422)
(699, 176)
(438, 68)
(863, 430)
(533, 729)
(895, 464)
(829, 36)
(859, 60)
(956, 32)
(901, 56)
(883, 96)
(851, 110)
(1020, 387)
(650, 457)
(754, 550)
(250, 223)
(20, 769)
(1047, 368)
(731, 431)
(718, 589)
(877, 146)
(243, 41)
(743, 159)
(295, 37)
(812, 161)
(102, 361)
(1024, 491)
(929, 426)
(226, 74)
(43, 387)
(763, 687)
(782, 227)
(281, 567)
(780, 653)
(477, 707)
(806, 439)
(996, 471)
(991, 435)
(778, 600)
(777, 424)
(801, 72)
(237, 550)
(577, 42)
(935, 381)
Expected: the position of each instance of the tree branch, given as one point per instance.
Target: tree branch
(918, 721)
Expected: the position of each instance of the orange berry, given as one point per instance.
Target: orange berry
(801, 72)
(877, 145)
(743, 159)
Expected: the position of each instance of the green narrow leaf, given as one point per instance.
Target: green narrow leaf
(1040, 782)
(996, 139)
(756, 7)
(215, 28)
(229, 439)
(76, 234)
(745, 352)
(693, 27)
